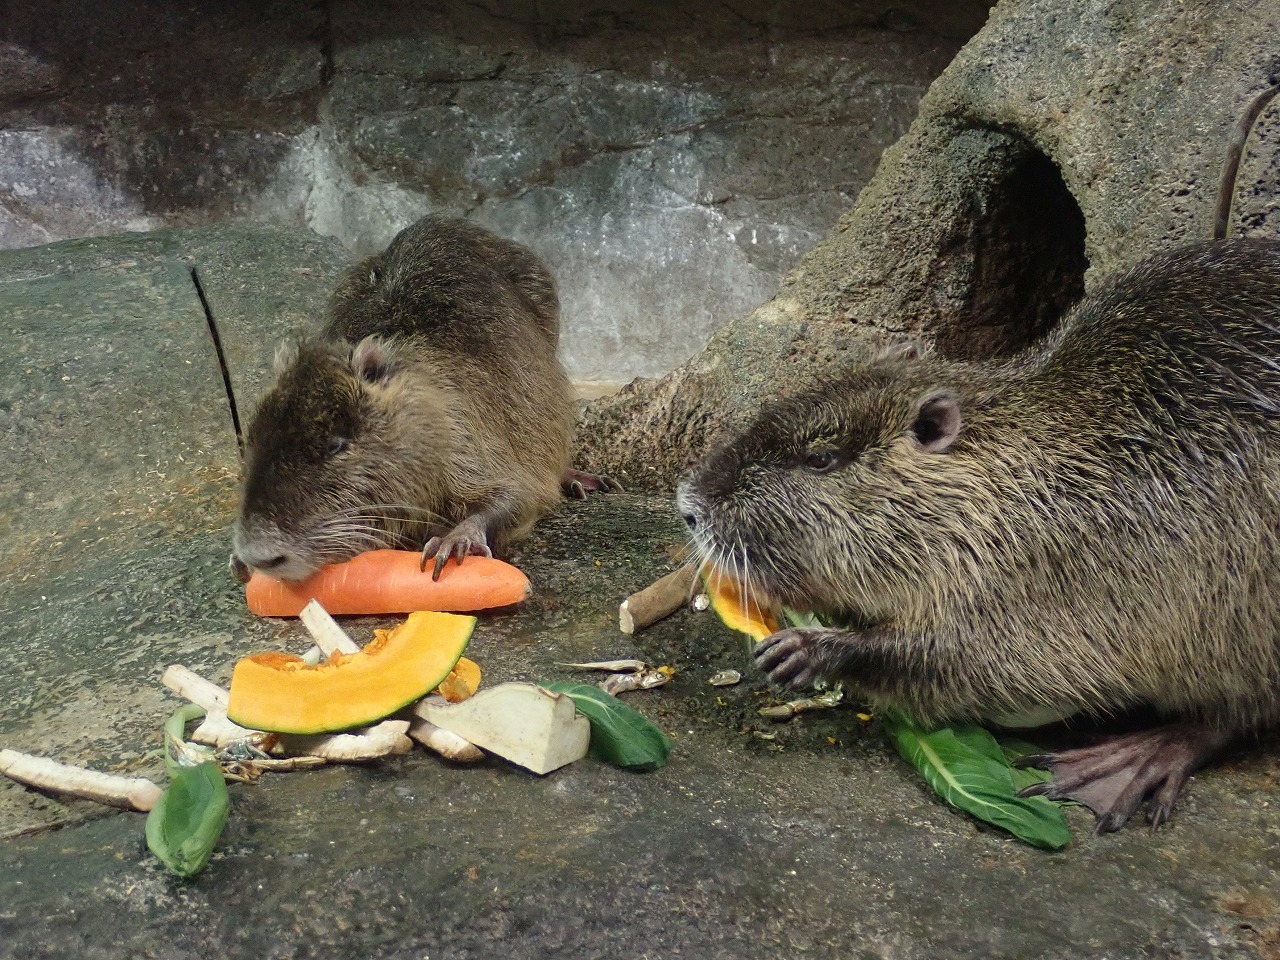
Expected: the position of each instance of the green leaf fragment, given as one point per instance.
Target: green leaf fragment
(965, 765)
(801, 618)
(185, 824)
(619, 735)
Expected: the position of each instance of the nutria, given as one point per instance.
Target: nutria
(431, 411)
(1092, 528)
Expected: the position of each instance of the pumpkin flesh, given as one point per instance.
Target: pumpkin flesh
(738, 609)
(281, 693)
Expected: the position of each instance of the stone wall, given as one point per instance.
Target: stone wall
(1068, 138)
(670, 161)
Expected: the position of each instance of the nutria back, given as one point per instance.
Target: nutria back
(432, 397)
(1093, 527)
(468, 290)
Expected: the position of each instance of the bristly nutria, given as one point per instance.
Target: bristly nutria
(1094, 527)
(431, 411)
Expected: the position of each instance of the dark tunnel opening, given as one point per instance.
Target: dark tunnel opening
(1028, 256)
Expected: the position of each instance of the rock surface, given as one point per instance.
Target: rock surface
(1065, 140)
(670, 162)
(757, 840)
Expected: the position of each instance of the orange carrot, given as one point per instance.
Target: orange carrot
(391, 581)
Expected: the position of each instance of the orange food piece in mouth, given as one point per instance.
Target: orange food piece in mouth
(738, 608)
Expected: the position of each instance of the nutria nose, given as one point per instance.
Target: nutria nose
(686, 503)
(254, 556)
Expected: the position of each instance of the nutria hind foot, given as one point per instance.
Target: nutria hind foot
(578, 483)
(1112, 778)
(469, 538)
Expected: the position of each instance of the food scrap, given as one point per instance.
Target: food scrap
(656, 601)
(627, 675)
(391, 581)
(820, 701)
(280, 692)
(521, 722)
(725, 678)
(739, 610)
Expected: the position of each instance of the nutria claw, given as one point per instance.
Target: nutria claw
(238, 569)
(466, 539)
(793, 657)
(577, 484)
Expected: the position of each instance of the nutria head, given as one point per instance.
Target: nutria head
(836, 500)
(339, 451)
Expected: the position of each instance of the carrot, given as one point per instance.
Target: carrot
(391, 581)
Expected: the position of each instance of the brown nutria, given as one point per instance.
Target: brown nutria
(1091, 528)
(431, 411)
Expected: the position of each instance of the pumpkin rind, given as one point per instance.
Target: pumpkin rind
(282, 694)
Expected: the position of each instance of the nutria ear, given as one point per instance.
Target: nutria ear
(907, 350)
(286, 353)
(937, 422)
(373, 360)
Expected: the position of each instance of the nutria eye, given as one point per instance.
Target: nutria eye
(820, 461)
(336, 446)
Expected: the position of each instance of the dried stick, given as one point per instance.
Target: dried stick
(131, 793)
(329, 637)
(384, 739)
(444, 742)
(660, 599)
(191, 686)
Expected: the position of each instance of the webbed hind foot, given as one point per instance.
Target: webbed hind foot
(1112, 778)
(578, 483)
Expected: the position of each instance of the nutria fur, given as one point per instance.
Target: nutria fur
(1094, 527)
(430, 410)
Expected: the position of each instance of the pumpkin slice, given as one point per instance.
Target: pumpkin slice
(738, 609)
(283, 694)
(463, 680)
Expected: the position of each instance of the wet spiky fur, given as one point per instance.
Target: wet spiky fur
(433, 392)
(1104, 531)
